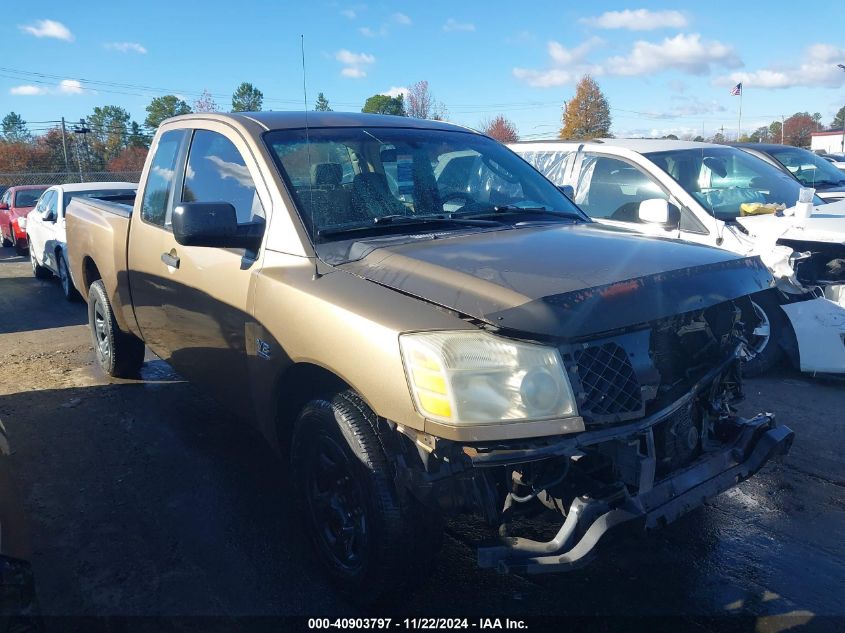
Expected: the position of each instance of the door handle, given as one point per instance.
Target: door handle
(170, 260)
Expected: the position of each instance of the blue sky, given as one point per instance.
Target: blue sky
(663, 68)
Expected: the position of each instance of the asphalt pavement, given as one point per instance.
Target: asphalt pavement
(146, 498)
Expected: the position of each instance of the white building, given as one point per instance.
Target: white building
(828, 142)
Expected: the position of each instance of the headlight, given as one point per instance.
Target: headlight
(22, 223)
(478, 378)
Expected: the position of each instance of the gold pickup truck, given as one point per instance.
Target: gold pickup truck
(426, 326)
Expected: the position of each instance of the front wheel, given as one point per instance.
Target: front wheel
(118, 353)
(38, 270)
(68, 290)
(370, 538)
(766, 337)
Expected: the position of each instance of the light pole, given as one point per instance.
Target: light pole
(842, 67)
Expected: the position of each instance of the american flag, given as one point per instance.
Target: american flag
(737, 90)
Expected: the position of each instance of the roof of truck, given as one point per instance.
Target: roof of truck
(271, 120)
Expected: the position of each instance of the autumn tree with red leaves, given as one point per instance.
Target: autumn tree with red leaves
(500, 129)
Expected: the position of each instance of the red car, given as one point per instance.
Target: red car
(16, 203)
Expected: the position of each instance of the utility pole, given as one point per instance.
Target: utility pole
(80, 129)
(64, 145)
(782, 121)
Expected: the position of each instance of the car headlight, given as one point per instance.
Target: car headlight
(22, 223)
(469, 378)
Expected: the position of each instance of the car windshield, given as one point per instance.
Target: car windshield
(810, 170)
(345, 180)
(27, 197)
(723, 179)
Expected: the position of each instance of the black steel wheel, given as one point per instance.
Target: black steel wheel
(370, 538)
(119, 354)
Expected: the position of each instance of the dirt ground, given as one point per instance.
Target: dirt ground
(145, 498)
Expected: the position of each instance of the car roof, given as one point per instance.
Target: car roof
(95, 186)
(272, 120)
(640, 145)
(766, 147)
(25, 187)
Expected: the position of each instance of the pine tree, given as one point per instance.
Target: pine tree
(587, 114)
(322, 104)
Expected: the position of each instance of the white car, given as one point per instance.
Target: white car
(709, 194)
(45, 226)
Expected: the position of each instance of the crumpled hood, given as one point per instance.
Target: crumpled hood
(563, 280)
(826, 224)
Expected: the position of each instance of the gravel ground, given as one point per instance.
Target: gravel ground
(145, 498)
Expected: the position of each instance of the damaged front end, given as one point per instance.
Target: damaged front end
(661, 437)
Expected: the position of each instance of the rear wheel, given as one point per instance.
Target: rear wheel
(370, 537)
(38, 270)
(118, 353)
(68, 290)
(766, 337)
(21, 247)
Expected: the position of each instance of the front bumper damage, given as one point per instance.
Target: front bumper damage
(657, 503)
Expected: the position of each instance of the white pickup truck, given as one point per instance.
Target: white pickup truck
(694, 191)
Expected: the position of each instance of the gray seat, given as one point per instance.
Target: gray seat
(371, 197)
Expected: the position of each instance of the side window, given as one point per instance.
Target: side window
(47, 202)
(613, 189)
(216, 172)
(553, 165)
(50, 204)
(159, 187)
(5, 198)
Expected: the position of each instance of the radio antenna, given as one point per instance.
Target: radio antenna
(308, 151)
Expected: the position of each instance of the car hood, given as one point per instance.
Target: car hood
(563, 281)
(826, 225)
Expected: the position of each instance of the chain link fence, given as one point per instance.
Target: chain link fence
(11, 179)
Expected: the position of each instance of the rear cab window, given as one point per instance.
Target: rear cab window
(158, 191)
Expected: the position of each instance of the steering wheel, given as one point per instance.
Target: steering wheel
(459, 195)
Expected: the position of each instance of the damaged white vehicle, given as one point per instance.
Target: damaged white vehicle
(727, 198)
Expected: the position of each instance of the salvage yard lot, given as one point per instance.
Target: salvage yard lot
(145, 499)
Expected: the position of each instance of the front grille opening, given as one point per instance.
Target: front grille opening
(609, 383)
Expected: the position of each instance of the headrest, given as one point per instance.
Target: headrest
(326, 174)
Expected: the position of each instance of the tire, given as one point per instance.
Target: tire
(68, 290)
(766, 340)
(371, 539)
(118, 353)
(38, 270)
(22, 248)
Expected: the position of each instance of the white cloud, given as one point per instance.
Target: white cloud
(401, 18)
(395, 91)
(687, 53)
(28, 90)
(349, 13)
(366, 31)
(354, 64)
(568, 64)
(638, 20)
(453, 25)
(818, 69)
(64, 87)
(126, 47)
(48, 28)
(70, 87)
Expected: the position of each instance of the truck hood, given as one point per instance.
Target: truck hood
(564, 281)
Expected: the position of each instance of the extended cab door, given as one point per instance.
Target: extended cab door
(204, 292)
(610, 189)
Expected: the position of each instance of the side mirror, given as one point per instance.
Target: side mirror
(659, 211)
(568, 191)
(214, 224)
(49, 216)
(4, 206)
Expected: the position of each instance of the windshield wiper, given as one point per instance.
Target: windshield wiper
(397, 220)
(512, 209)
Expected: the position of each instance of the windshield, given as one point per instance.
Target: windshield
(723, 179)
(27, 197)
(346, 179)
(809, 169)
